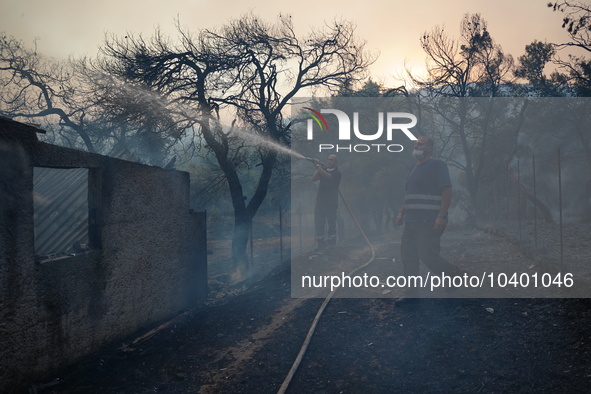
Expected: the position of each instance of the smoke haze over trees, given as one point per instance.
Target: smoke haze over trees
(199, 93)
(249, 69)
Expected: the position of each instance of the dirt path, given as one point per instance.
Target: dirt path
(241, 355)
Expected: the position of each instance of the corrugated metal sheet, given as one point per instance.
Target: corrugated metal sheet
(61, 210)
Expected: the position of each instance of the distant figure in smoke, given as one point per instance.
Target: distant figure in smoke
(424, 214)
(327, 199)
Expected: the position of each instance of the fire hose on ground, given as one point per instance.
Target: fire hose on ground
(312, 329)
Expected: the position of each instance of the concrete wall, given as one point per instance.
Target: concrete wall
(147, 262)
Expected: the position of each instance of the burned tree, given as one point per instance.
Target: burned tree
(469, 133)
(248, 69)
(35, 88)
(81, 109)
(577, 23)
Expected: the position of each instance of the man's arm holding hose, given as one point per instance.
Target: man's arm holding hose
(320, 170)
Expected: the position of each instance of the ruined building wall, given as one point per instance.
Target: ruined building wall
(147, 261)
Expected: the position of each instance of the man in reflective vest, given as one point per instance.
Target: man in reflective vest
(424, 214)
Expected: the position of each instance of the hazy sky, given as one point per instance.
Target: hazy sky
(392, 28)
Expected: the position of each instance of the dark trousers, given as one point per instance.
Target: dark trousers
(421, 243)
(324, 216)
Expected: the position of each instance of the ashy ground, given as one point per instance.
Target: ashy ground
(247, 340)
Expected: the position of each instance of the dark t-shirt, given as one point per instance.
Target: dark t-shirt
(424, 186)
(328, 190)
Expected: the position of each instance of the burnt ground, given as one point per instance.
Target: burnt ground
(247, 340)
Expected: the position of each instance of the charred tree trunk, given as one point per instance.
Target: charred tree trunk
(243, 212)
(584, 201)
(471, 182)
(529, 196)
(242, 224)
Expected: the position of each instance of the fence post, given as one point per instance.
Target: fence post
(519, 199)
(507, 190)
(251, 240)
(498, 194)
(560, 208)
(280, 235)
(300, 226)
(535, 206)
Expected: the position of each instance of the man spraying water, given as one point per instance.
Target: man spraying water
(325, 212)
